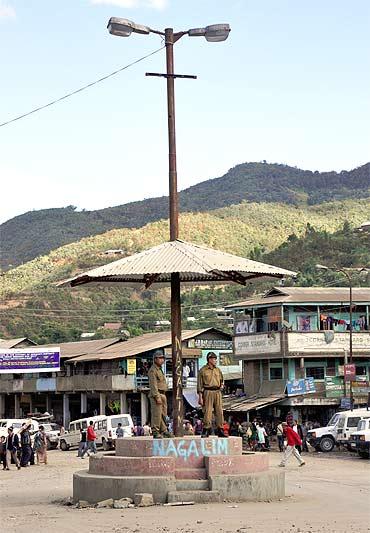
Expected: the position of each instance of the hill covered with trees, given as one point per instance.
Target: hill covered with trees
(38, 232)
(32, 305)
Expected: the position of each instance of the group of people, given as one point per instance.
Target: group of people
(19, 448)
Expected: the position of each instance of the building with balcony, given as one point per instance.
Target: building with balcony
(110, 375)
(295, 339)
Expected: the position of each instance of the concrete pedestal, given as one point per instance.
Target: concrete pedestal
(179, 469)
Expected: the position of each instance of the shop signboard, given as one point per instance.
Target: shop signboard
(349, 372)
(360, 388)
(131, 366)
(210, 344)
(29, 360)
(261, 343)
(327, 341)
(345, 403)
(300, 386)
(334, 387)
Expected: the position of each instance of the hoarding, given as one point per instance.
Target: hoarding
(131, 366)
(334, 387)
(29, 360)
(300, 386)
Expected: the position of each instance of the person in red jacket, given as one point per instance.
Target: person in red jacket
(91, 438)
(292, 439)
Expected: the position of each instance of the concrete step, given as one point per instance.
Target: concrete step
(192, 484)
(197, 496)
(191, 473)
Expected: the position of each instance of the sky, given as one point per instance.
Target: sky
(291, 85)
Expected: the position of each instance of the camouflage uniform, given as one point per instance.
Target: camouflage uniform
(158, 388)
(210, 382)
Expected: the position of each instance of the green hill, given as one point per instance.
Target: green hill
(38, 232)
(287, 236)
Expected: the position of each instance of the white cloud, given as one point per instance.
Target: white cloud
(6, 11)
(155, 4)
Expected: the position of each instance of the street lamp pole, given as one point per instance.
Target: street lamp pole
(213, 33)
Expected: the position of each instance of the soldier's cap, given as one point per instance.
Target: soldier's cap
(211, 355)
(157, 355)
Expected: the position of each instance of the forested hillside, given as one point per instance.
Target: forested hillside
(32, 305)
(38, 232)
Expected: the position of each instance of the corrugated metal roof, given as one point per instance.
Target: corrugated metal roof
(137, 345)
(195, 263)
(74, 349)
(297, 295)
(233, 403)
(12, 343)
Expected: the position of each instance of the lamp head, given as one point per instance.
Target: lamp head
(124, 27)
(214, 33)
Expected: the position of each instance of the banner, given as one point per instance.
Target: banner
(131, 366)
(334, 387)
(300, 386)
(29, 360)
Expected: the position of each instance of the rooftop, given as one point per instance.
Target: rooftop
(314, 295)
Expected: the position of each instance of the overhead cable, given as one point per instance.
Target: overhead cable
(80, 89)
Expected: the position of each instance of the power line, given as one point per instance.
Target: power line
(80, 89)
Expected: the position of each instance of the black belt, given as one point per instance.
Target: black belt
(162, 391)
(212, 388)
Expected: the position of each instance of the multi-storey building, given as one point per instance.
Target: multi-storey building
(294, 342)
(102, 376)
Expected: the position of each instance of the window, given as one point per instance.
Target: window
(353, 421)
(276, 373)
(78, 426)
(71, 427)
(361, 370)
(316, 372)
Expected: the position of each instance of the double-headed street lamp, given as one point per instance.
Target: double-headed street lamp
(214, 33)
(349, 274)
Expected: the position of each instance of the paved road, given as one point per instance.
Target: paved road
(330, 494)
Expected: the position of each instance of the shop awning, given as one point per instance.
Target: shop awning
(234, 403)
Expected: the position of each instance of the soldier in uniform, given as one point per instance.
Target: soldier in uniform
(158, 401)
(210, 384)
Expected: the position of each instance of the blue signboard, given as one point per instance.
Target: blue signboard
(29, 360)
(345, 403)
(300, 386)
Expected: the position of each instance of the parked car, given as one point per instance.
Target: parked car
(338, 431)
(360, 439)
(106, 427)
(52, 434)
(16, 423)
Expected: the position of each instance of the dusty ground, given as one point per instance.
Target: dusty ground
(330, 494)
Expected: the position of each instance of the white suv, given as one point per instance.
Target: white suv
(360, 439)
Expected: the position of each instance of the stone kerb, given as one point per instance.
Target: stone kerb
(236, 464)
(131, 466)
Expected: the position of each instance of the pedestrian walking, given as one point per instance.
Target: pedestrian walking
(147, 429)
(119, 431)
(12, 446)
(82, 447)
(40, 444)
(3, 452)
(26, 448)
(280, 436)
(210, 384)
(261, 436)
(157, 395)
(292, 439)
(91, 438)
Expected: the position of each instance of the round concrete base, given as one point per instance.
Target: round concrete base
(246, 487)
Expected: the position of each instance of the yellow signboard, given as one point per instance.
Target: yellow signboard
(131, 366)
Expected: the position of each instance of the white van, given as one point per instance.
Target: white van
(338, 431)
(106, 427)
(72, 437)
(16, 424)
(360, 439)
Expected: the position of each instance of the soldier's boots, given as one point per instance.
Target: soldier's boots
(220, 432)
(206, 432)
(167, 435)
(157, 436)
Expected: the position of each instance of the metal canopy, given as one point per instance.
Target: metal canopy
(194, 263)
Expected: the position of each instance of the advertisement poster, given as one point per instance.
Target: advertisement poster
(29, 360)
(300, 386)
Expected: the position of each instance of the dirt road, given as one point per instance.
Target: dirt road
(330, 494)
